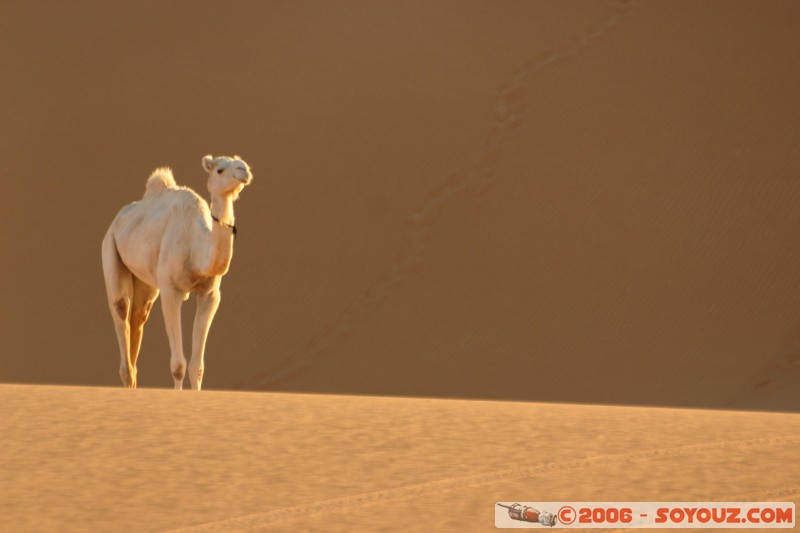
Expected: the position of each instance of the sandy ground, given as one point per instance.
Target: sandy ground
(99, 459)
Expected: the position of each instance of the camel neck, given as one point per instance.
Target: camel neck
(217, 254)
(231, 226)
(222, 209)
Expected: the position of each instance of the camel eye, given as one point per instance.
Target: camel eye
(219, 171)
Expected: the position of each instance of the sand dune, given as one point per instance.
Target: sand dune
(445, 195)
(98, 459)
(469, 223)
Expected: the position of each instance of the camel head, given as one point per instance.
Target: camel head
(227, 175)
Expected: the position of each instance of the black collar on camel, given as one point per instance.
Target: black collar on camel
(232, 226)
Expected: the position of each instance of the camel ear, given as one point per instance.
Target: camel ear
(208, 163)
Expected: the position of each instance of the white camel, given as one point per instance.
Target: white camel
(171, 241)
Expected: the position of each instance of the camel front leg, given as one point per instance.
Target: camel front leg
(207, 305)
(171, 306)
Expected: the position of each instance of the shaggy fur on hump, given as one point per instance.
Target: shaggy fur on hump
(160, 180)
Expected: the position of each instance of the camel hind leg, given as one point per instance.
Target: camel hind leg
(142, 302)
(119, 289)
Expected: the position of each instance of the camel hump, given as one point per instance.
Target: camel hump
(159, 181)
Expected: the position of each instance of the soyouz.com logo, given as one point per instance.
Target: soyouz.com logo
(587, 515)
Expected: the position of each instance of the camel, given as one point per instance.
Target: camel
(172, 243)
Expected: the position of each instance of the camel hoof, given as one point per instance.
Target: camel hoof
(128, 378)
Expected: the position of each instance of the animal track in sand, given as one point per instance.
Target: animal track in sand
(412, 491)
(778, 373)
(509, 112)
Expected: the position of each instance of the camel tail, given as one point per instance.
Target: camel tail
(159, 181)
